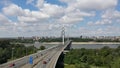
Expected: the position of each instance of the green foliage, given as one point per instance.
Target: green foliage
(59, 39)
(116, 64)
(85, 58)
(42, 47)
(19, 51)
(77, 39)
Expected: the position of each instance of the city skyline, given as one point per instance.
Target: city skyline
(28, 18)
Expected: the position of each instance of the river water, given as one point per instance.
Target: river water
(87, 46)
(78, 46)
(94, 46)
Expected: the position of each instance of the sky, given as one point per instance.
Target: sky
(47, 17)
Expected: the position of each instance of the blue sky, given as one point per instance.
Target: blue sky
(46, 17)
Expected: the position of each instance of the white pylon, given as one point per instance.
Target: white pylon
(63, 35)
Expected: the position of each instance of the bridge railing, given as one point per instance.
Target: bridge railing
(65, 45)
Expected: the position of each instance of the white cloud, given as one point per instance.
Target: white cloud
(111, 14)
(90, 4)
(33, 16)
(3, 19)
(48, 18)
(39, 14)
(53, 10)
(101, 22)
(79, 13)
(13, 10)
(29, 1)
(26, 19)
(98, 31)
(104, 22)
(40, 3)
(24, 15)
(67, 19)
(75, 16)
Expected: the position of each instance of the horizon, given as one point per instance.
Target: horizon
(57, 36)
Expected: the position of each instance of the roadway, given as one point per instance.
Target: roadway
(51, 58)
(24, 61)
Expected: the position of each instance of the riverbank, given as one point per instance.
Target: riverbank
(84, 43)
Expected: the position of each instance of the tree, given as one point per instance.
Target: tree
(42, 47)
(84, 58)
(90, 60)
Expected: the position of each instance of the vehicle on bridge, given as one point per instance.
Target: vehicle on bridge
(11, 65)
(44, 62)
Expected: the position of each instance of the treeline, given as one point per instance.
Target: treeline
(59, 39)
(75, 39)
(21, 40)
(12, 51)
(50, 40)
(93, 58)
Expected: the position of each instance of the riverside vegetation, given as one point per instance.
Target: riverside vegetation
(19, 50)
(93, 58)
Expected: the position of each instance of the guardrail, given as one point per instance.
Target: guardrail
(55, 58)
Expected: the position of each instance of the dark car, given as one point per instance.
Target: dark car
(44, 62)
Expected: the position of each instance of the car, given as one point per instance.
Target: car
(49, 59)
(11, 65)
(44, 62)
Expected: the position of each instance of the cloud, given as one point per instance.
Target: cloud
(14, 10)
(53, 10)
(6, 26)
(108, 17)
(98, 31)
(90, 4)
(47, 12)
(4, 20)
(29, 1)
(101, 22)
(75, 16)
(33, 16)
(111, 14)
(39, 3)
(24, 15)
(49, 18)
(66, 19)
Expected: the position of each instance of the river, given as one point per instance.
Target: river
(87, 46)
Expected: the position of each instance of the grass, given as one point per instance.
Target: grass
(69, 66)
(73, 66)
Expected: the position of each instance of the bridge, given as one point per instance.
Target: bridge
(47, 58)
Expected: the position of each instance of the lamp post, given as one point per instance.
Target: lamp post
(26, 51)
(13, 53)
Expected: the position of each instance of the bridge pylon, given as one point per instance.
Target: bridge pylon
(63, 35)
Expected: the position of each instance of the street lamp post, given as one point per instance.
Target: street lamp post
(26, 51)
(13, 53)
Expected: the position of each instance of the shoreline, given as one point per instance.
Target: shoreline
(84, 42)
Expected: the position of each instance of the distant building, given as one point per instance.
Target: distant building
(35, 38)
